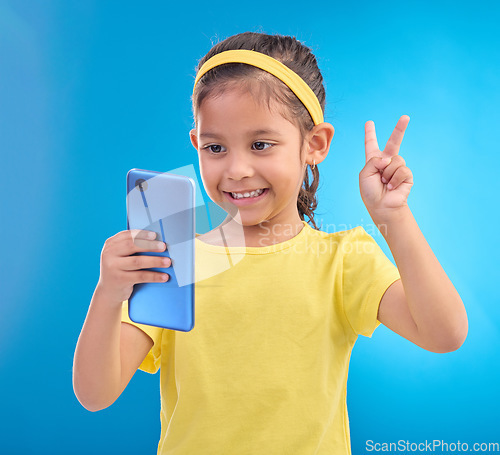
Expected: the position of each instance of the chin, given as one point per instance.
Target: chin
(244, 219)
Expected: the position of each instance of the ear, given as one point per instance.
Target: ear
(318, 142)
(194, 138)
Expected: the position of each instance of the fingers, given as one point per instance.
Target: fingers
(142, 242)
(143, 234)
(141, 246)
(402, 175)
(145, 261)
(394, 142)
(147, 276)
(146, 240)
(120, 253)
(396, 162)
(133, 266)
(122, 267)
(133, 241)
(396, 172)
(371, 145)
(133, 269)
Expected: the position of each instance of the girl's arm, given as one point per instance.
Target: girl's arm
(107, 354)
(108, 351)
(423, 306)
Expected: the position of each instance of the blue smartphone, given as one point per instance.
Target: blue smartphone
(164, 203)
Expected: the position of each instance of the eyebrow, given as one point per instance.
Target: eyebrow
(249, 133)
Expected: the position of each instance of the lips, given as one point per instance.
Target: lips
(246, 194)
(244, 191)
(246, 200)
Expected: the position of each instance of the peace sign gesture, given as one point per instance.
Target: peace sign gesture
(385, 181)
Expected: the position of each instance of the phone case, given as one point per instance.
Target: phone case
(164, 203)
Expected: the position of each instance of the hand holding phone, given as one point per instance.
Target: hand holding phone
(121, 268)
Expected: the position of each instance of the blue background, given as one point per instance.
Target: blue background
(89, 90)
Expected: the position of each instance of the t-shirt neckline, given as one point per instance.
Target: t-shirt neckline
(255, 249)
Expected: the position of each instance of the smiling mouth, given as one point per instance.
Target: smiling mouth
(247, 194)
(246, 197)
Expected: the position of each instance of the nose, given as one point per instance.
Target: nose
(239, 165)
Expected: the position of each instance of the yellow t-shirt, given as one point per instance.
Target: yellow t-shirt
(264, 369)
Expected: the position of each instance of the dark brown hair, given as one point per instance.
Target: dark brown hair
(292, 53)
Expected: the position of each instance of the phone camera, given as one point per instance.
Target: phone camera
(141, 184)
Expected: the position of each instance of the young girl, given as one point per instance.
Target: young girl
(279, 303)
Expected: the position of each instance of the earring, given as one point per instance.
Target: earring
(314, 165)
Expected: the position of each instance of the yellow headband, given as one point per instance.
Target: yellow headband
(273, 66)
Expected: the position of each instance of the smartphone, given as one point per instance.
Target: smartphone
(164, 203)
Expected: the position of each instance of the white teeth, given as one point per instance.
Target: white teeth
(251, 194)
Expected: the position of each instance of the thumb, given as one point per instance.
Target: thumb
(375, 165)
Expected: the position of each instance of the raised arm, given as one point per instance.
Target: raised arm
(424, 306)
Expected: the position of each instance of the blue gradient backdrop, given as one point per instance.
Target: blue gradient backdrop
(89, 90)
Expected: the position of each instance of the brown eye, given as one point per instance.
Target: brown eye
(261, 145)
(215, 149)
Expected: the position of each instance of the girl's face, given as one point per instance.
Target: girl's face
(243, 147)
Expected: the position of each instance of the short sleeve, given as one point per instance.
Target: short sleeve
(367, 273)
(152, 361)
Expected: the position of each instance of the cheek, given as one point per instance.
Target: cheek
(210, 178)
(288, 180)
(206, 171)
